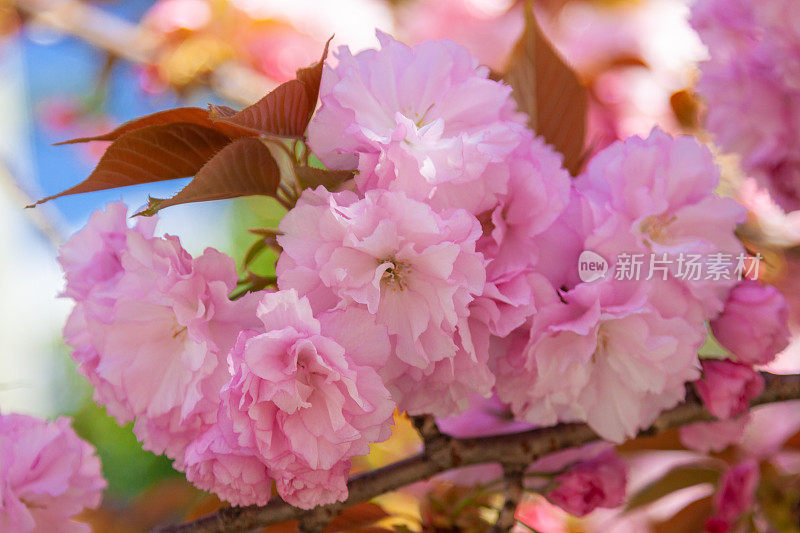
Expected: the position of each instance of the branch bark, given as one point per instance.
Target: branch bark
(517, 448)
(514, 490)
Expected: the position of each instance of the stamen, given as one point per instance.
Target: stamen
(395, 275)
(656, 226)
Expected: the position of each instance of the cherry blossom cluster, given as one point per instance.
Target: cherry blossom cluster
(48, 476)
(446, 271)
(751, 84)
(237, 393)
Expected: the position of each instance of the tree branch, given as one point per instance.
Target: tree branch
(514, 449)
(514, 490)
(232, 80)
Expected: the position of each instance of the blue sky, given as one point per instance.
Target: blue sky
(64, 66)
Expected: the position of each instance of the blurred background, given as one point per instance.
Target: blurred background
(72, 68)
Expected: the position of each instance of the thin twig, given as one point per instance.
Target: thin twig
(518, 448)
(46, 221)
(426, 427)
(513, 475)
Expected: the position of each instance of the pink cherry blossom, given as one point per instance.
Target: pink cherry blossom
(91, 258)
(414, 269)
(48, 476)
(174, 15)
(485, 416)
(444, 388)
(425, 120)
(626, 99)
(92, 263)
(189, 329)
(754, 323)
(488, 29)
(596, 356)
(560, 461)
(772, 223)
(561, 244)
(716, 525)
(215, 462)
(751, 85)
(538, 192)
(726, 387)
(78, 336)
(655, 197)
(152, 338)
(302, 402)
(770, 428)
(307, 487)
(715, 436)
(538, 514)
(597, 482)
(736, 491)
(725, 27)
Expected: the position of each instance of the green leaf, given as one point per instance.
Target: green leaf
(128, 468)
(712, 349)
(258, 247)
(252, 283)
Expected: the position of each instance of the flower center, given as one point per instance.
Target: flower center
(307, 374)
(602, 344)
(394, 277)
(655, 226)
(414, 116)
(487, 224)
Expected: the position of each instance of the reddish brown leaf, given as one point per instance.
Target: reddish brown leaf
(312, 77)
(690, 518)
(793, 442)
(311, 177)
(666, 440)
(356, 517)
(676, 479)
(151, 153)
(243, 168)
(285, 111)
(221, 111)
(283, 527)
(549, 91)
(686, 107)
(208, 504)
(184, 115)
